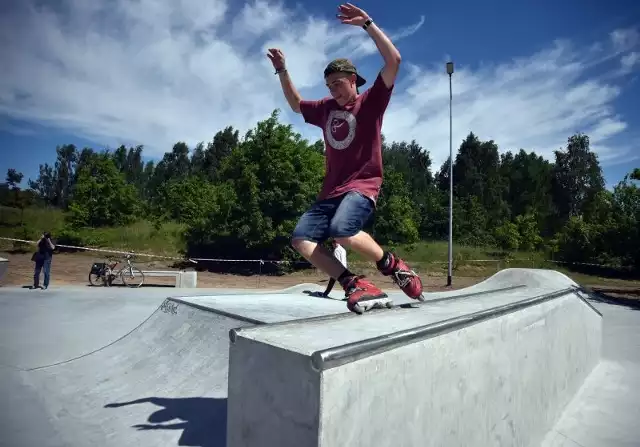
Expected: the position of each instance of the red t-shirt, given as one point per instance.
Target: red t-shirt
(353, 140)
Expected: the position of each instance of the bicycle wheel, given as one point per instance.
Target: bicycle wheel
(95, 279)
(132, 276)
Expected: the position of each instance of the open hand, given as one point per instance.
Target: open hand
(276, 57)
(352, 15)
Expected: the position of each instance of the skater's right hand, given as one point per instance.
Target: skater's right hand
(276, 57)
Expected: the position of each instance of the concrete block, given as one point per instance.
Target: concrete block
(183, 279)
(187, 280)
(503, 381)
(274, 397)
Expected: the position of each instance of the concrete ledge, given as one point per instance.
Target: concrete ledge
(183, 279)
(501, 375)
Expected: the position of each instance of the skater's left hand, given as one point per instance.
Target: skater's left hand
(352, 15)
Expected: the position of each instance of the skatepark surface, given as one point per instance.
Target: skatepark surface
(114, 366)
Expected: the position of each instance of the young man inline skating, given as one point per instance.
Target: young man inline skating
(351, 124)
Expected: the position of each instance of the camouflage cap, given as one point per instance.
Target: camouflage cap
(344, 66)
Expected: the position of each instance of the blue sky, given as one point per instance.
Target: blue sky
(528, 74)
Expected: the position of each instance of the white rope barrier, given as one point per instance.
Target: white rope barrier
(103, 250)
(263, 261)
(193, 260)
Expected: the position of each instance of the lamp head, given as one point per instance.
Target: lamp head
(449, 68)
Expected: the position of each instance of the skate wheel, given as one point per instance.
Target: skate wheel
(358, 309)
(389, 305)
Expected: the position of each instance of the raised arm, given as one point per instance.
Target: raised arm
(352, 15)
(290, 93)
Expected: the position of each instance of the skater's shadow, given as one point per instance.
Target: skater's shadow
(314, 293)
(318, 294)
(203, 421)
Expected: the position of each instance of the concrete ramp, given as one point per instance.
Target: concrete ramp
(163, 382)
(485, 369)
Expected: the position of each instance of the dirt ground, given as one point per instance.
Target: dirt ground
(73, 269)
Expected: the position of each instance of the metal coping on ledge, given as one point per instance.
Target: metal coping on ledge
(469, 294)
(586, 301)
(217, 311)
(332, 357)
(233, 333)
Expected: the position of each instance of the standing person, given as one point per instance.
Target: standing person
(341, 255)
(351, 124)
(43, 258)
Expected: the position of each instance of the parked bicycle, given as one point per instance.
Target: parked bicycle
(103, 273)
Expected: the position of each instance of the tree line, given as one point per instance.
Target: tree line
(241, 197)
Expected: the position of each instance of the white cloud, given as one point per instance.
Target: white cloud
(533, 102)
(153, 73)
(629, 61)
(624, 39)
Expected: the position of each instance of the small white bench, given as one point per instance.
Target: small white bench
(183, 279)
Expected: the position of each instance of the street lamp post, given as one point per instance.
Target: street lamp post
(450, 72)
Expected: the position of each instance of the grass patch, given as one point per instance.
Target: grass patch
(30, 223)
(432, 257)
(141, 236)
(428, 257)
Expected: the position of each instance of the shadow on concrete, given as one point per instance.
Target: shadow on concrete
(627, 297)
(318, 294)
(203, 420)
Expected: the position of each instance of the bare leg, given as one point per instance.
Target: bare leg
(324, 260)
(364, 244)
(408, 280)
(319, 256)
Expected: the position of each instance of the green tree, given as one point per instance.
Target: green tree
(507, 236)
(65, 165)
(624, 227)
(527, 227)
(197, 167)
(577, 179)
(101, 196)
(44, 185)
(217, 150)
(19, 199)
(413, 163)
(271, 178)
(14, 178)
(187, 200)
(470, 222)
(395, 220)
(55, 183)
(575, 241)
(476, 173)
(527, 185)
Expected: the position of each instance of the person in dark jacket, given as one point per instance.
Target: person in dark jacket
(42, 258)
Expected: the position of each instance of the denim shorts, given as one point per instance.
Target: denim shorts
(342, 216)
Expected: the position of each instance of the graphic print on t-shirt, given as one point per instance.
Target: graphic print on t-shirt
(340, 129)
